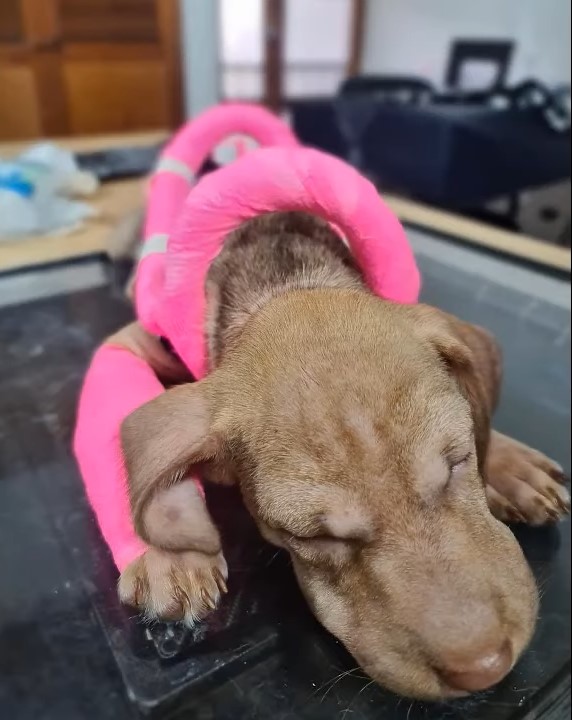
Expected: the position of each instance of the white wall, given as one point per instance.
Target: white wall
(316, 35)
(413, 36)
(317, 30)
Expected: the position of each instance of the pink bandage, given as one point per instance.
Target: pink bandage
(269, 180)
(196, 140)
(176, 174)
(116, 384)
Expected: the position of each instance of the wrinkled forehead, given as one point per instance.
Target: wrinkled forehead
(359, 407)
(331, 435)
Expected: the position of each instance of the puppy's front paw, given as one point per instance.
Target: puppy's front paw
(174, 585)
(523, 485)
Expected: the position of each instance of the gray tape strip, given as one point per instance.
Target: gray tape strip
(154, 244)
(172, 165)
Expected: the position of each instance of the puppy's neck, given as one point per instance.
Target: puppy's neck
(266, 257)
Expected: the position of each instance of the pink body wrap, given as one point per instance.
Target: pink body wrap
(184, 233)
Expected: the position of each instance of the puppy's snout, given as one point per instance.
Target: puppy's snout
(480, 672)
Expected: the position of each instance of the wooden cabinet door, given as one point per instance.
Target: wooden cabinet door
(88, 66)
(31, 97)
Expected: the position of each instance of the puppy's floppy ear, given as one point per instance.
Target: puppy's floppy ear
(486, 356)
(459, 360)
(161, 442)
(473, 358)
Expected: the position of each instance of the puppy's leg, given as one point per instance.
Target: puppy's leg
(167, 586)
(182, 574)
(523, 485)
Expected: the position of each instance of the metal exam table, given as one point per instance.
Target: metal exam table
(69, 651)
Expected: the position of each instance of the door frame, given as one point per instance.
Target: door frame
(273, 35)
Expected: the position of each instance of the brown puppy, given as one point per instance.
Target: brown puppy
(359, 433)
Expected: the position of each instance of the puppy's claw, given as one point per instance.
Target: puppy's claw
(207, 600)
(524, 479)
(560, 476)
(515, 516)
(562, 504)
(554, 470)
(184, 601)
(220, 581)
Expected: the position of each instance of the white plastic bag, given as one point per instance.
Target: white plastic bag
(36, 191)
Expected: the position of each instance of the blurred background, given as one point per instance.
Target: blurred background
(462, 106)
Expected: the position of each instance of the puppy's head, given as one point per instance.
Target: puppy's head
(357, 430)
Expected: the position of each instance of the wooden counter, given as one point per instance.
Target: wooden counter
(115, 199)
(111, 202)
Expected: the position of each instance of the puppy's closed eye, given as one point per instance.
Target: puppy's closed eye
(330, 532)
(458, 465)
(324, 548)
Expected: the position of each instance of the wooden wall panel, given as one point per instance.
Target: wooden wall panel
(42, 45)
(108, 21)
(136, 98)
(11, 29)
(19, 112)
(88, 66)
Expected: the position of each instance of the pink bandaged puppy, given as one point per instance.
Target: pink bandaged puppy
(185, 228)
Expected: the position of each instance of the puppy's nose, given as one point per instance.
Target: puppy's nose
(481, 672)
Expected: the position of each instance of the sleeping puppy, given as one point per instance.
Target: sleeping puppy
(359, 434)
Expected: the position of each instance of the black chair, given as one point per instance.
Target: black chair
(404, 90)
(463, 52)
(359, 98)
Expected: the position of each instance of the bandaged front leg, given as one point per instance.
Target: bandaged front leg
(117, 383)
(181, 573)
(120, 381)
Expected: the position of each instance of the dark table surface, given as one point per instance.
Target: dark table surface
(68, 650)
